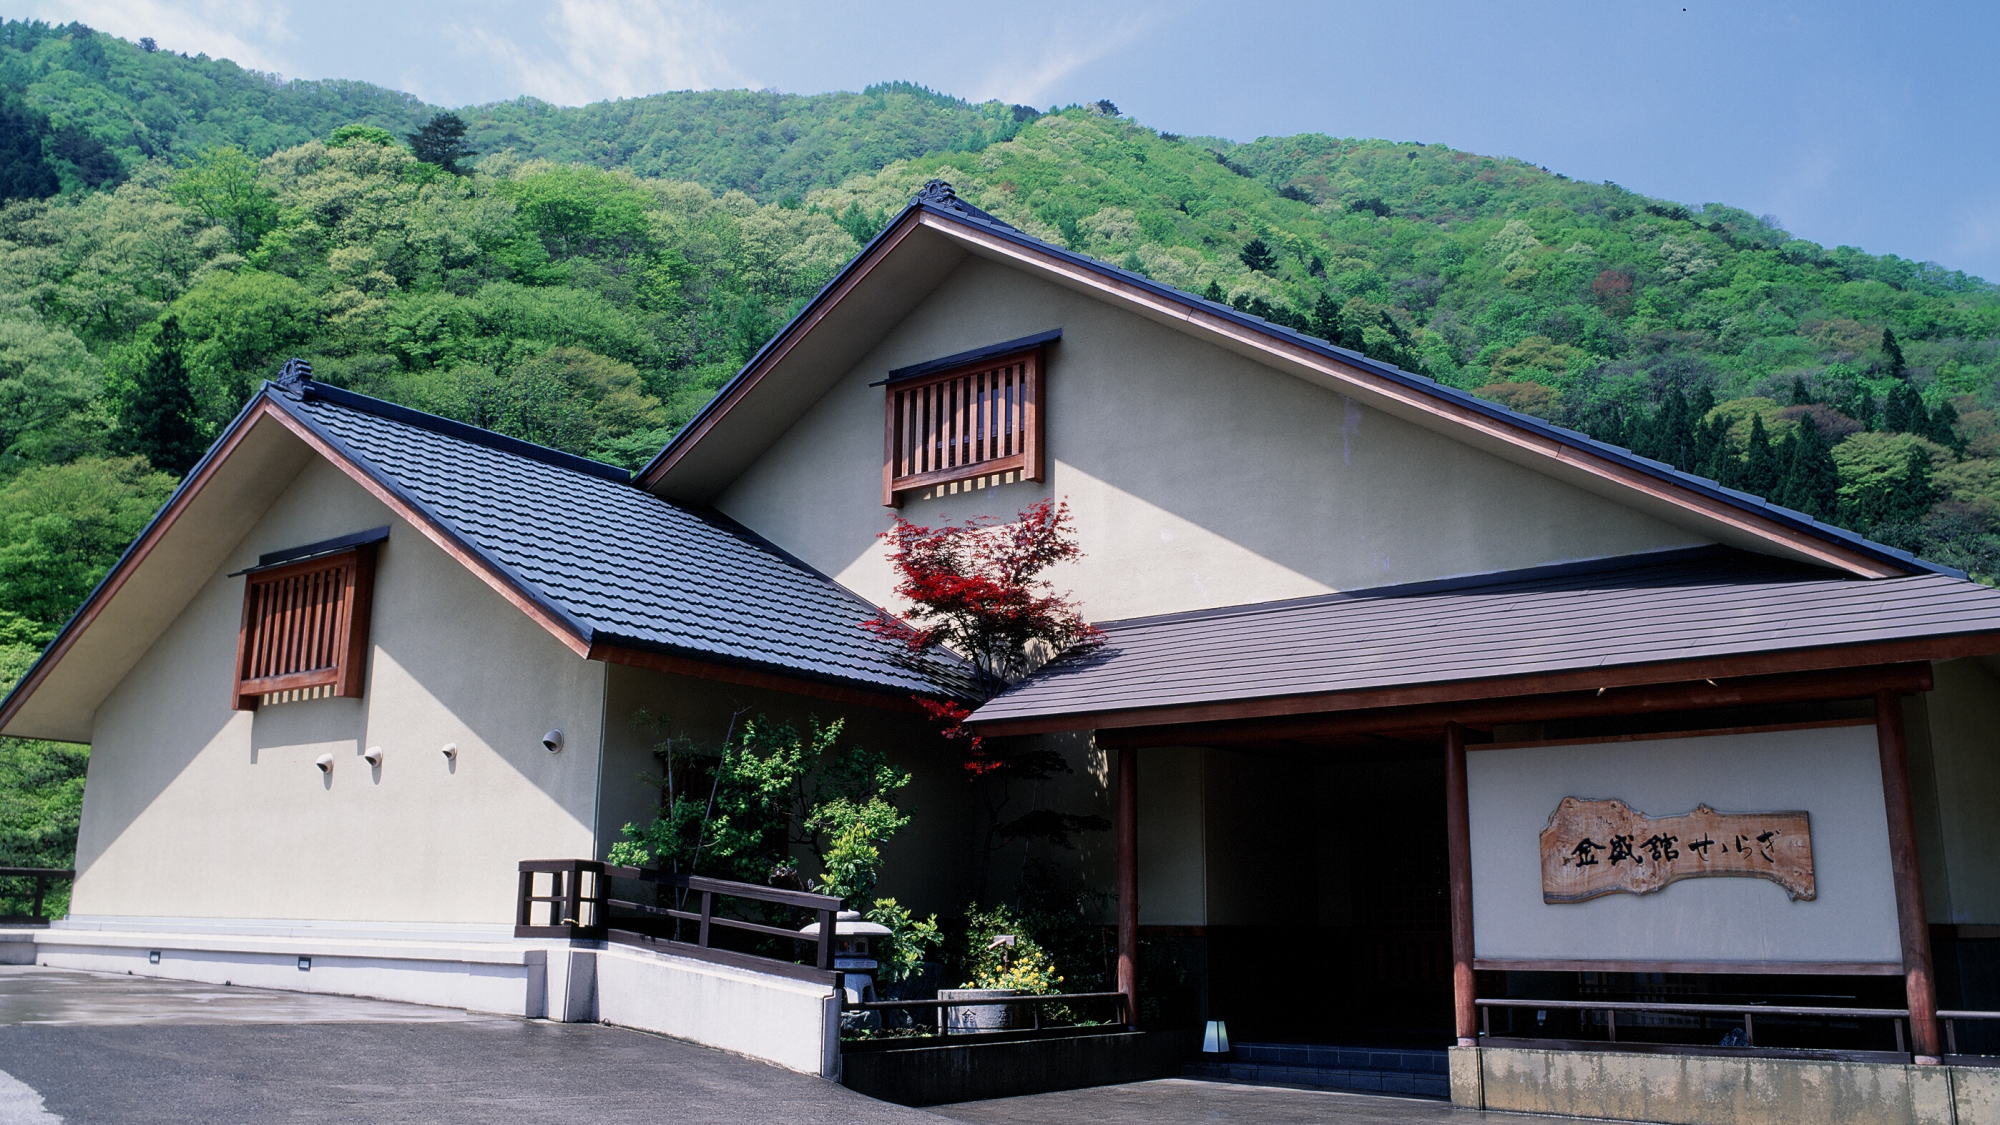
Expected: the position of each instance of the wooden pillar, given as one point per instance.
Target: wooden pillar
(1128, 881)
(1458, 851)
(1913, 924)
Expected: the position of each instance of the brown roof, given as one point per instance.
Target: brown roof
(1685, 605)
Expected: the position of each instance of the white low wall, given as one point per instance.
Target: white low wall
(791, 1023)
(507, 977)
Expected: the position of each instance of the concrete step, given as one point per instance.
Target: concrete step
(1372, 1070)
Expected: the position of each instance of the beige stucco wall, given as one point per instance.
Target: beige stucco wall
(1198, 477)
(1953, 735)
(1832, 773)
(194, 810)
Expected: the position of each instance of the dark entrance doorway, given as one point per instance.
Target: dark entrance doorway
(1355, 946)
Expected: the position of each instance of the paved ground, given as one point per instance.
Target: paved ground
(1182, 1101)
(95, 1048)
(113, 1050)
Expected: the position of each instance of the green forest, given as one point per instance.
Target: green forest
(172, 228)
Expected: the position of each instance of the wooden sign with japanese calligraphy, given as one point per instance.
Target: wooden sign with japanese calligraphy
(1593, 848)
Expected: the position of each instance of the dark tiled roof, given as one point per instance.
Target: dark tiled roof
(1676, 605)
(615, 563)
(937, 198)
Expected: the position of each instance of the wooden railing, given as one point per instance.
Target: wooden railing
(42, 877)
(579, 905)
(1748, 1013)
(957, 425)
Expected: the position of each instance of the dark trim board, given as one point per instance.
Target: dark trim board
(1746, 968)
(969, 358)
(1689, 695)
(635, 657)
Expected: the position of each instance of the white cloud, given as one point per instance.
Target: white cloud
(598, 49)
(247, 32)
(1033, 71)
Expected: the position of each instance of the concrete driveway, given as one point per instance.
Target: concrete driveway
(112, 1050)
(97, 1048)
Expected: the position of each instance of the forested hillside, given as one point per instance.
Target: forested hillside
(172, 228)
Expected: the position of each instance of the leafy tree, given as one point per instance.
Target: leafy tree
(221, 185)
(739, 810)
(1886, 478)
(62, 526)
(978, 588)
(49, 389)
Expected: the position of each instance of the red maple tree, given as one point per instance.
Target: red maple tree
(978, 589)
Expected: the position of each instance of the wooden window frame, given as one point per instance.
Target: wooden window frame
(975, 420)
(305, 625)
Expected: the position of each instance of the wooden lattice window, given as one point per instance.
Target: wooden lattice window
(305, 621)
(969, 420)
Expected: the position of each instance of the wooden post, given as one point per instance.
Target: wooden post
(1458, 850)
(1913, 924)
(1128, 882)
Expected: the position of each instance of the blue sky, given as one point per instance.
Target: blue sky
(1858, 123)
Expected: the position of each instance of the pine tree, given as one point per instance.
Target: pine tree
(1913, 501)
(1761, 468)
(1811, 482)
(157, 420)
(24, 170)
(1905, 413)
(1213, 292)
(1892, 354)
(1943, 428)
(1258, 256)
(1325, 322)
(1712, 457)
(1800, 396)
(441, 141)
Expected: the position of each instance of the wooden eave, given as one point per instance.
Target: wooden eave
(1798, 675)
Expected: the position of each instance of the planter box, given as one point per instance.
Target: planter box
(985, 1017)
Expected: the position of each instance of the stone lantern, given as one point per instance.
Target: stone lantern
(854, 939)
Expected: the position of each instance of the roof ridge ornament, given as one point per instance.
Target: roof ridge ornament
(295, 375)
(938, 192)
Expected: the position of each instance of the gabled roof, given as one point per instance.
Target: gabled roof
(613, 571)
(1640, 614)
(937, 209)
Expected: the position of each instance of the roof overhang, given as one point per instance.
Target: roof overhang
(1815, 673)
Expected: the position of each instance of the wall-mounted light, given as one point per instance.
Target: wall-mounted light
(305, 964)
(1215, 1040)
(324, 762)
(552, 741)
(153, 958)
(451, 751)
(374, 755)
